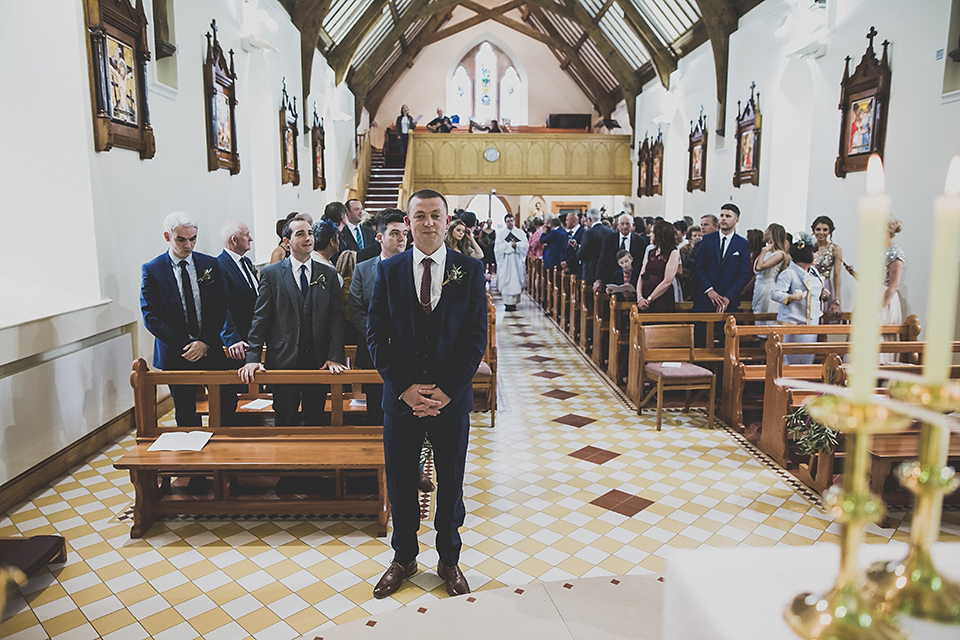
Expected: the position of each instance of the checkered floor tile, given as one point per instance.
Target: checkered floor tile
(570, 484)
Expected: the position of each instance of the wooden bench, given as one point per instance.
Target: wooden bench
(779, 400)
(707, 356)
(585, 311)
(485, 380)
(741, 365)
(336, 452)
(573, 308)
(601, 327)
(618, 341)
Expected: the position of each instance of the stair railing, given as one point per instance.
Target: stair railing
(361, 180)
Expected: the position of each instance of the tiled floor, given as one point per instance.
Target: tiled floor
(570, 484)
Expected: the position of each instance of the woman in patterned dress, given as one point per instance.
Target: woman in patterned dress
(891, 312)
(828, 255)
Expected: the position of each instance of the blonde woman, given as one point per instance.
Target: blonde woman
(891, 312)
(773, 258)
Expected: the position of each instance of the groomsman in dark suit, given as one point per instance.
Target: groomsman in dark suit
(358, 237)
(721, 266)
(591, 248)
(299, 316)
(624, 240)
(392, 237)
(570, 262)
(426, 330)
(183, 298)
(240, 276)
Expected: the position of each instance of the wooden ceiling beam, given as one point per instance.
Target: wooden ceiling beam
(340, 55)
(664, 60)
(721, 19)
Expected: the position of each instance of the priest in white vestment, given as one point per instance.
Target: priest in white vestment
(511, 252)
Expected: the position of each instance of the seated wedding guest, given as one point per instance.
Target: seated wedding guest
(183, 298)
(895, 260)
(460, 239)
(827, 259)
(555, 243)
(326, 244)
(301, 327)
(800, 291)
(659, 270)
(772, 258)
(625, 274)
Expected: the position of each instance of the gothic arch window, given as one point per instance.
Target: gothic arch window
(486, 85)
(510, 103)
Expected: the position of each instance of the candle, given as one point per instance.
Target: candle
(874, 210)
(944, 274)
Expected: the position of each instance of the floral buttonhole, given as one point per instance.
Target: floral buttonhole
(455, 275)
(206, 277)
(321, 280)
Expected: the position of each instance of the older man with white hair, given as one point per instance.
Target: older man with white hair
(241, 279)
(624, 240)
(183, 297)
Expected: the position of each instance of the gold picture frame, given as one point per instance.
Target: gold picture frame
(289, 134)
(220, 91)
(747, 164)
(697, 158)
(864, 98)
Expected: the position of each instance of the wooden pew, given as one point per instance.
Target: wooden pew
(601, 327)
(485, 379)
(573, 309)
(708, 356)
(238, 451)
(585, 311)
(563, 303)
(741, 366)
(618, 343)
(779, 400)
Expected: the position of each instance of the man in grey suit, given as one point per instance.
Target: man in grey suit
(299, 316)
(592, 247)
(392, 238)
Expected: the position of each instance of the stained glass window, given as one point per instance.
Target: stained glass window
(461, 99)
(510, 104)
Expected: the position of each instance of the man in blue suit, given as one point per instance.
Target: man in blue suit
(426, 330)
(240, 276)
(183, 298)
(721, 266)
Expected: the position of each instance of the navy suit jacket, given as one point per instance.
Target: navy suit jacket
(590, 251)
(555, 243)
(463, 332)
(570, 253)
(611, 247)
(165, 318)
(240, 297)
(728, 276)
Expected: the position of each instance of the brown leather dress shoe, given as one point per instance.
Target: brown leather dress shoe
(426, 484)
(454, 578)
(393, 577)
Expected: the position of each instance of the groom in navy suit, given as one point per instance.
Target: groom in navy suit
(721, 266)
(183, 298)
(426, 330)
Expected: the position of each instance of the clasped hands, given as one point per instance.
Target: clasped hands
(249, 371)
(719, 301)
(425, 399)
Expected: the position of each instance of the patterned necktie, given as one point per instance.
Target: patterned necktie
(723, 246)
(359, 238)
(425, 284)
(248, 272)
(303, 279)
(193, 325)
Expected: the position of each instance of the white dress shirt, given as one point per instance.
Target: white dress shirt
(624, 241)
(439, 258)
(194, 285)
(247, 274)
(352, 230)
(295, 269)
(726, 247)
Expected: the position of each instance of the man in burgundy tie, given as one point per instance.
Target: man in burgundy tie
(426, 330)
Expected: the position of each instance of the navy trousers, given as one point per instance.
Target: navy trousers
(402, 440)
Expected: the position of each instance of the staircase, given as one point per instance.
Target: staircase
(384, 186)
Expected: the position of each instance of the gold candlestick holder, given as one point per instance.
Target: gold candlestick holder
(847, 611)
(913, 586)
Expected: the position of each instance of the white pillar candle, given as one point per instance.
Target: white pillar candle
(874, 210)
(944, 280)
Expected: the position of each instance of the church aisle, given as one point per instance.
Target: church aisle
(570, 484)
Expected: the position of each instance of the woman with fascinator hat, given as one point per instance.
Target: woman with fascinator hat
(800, 291)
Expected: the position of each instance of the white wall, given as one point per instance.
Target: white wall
(77, 225)
(799, 99)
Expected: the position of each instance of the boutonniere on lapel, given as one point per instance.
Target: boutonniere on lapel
(320, 280)
(207, 277)
(455, 276)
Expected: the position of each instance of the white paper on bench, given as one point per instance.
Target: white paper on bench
(670, 365)
(181, 441)
(259, 403)
(358, 403)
